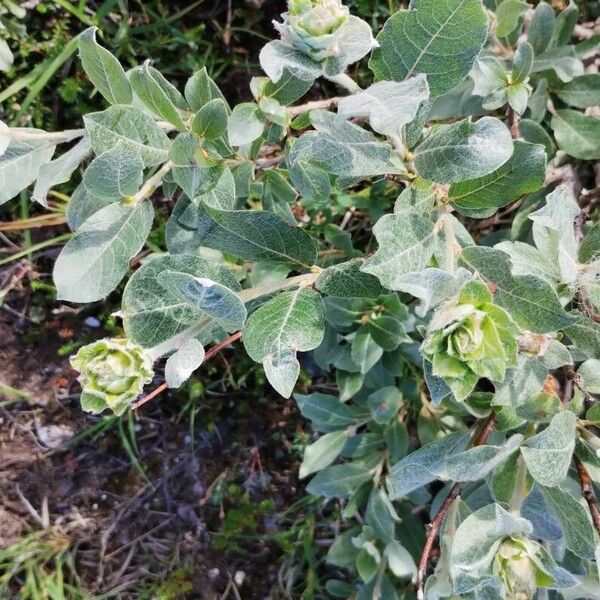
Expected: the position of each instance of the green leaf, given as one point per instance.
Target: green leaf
(114, 174)
(440, 40)
(577, 134)
(384, 404)
(200, 89)
(103, 69)
(325, 412)
(82, 206)
(534, 133)
(548, 454)
(257, 235)
(183, 363)
(160, 96)
(132, 129)
(574, 519)
(585, 334)
(207, 296)
(581, 92)
(192, 170)
(245, 125)
(20, 165)
(589, 372)
(346, 280)
(563, 61)
(311, 181)
(508, 14)
(524, 172)
(323, 452)
(289, 323)
(463, 150)
(388, 105)
(424, 465)
(339, 481)
(510, 482)
(530, 300)
(59, 170)
(522, 63)
(539, 32)
(406, 243)
(154, 315)
(387, 332)
(365, 351)
(97, 257)
(210, 121)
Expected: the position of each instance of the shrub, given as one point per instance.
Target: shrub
(465, 345)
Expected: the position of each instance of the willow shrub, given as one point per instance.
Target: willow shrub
(466, 364)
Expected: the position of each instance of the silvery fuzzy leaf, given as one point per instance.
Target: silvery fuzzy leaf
(60, 169)
(245, 125)
(103, 69)
(577, 134)
(476, 541)
(346, 280)
(463, 150)
(531, 301)
(96, 258)
(130, 127)
(20, 165)
(183, 363)
(523, 173)
(563, 61)
(574, 519)
(476, 463)
(277, 56)
(388, 105)
(424, 465)
(154, 316)
(508, 14)
(539, 32)
(406, 243)
(581, 92)
(548, 454)
(323, 452)
(207, 297)
(554, 231)
(440, 41)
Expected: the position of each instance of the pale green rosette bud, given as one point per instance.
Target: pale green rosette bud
(311, 26)
(470, 338)
(515, 565)
(113, 373)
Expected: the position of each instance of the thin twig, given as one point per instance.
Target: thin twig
(587, 491)
(436, 523)
(513, 122)
(212, 352)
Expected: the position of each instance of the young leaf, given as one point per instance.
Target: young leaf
(200, 89)
(463, 150)
(289, 323)
(323, 452)
(160, 96)
(103, 69)
(276, 57)
(508, 14)
(20, 165)
(548, 454)
(97, 257)
(522, 63)
(131, 128)
(365, 351)
(183, 363)
(522, 173)
(440, 40)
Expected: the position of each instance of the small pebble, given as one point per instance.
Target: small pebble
(92, 322)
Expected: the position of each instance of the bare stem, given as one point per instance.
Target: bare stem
(436, 523)
(57, 137)
(313, 105)
(152, 183)
(587, 491)
(346, 82)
